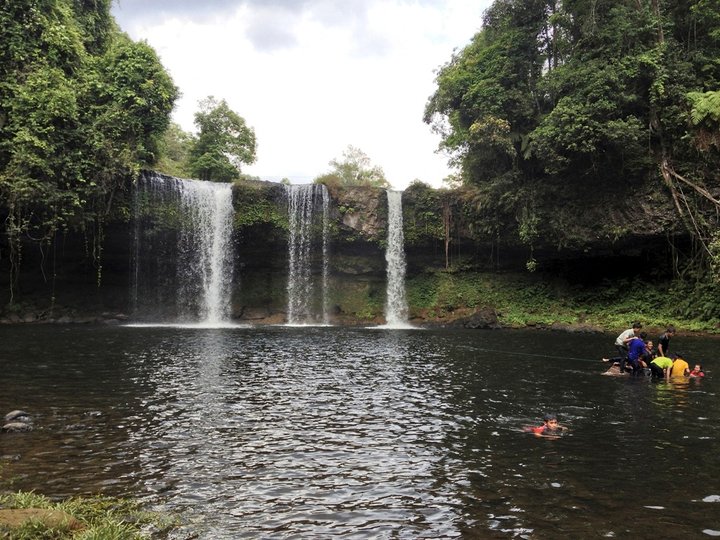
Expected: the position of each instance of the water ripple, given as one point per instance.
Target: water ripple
(351, 433)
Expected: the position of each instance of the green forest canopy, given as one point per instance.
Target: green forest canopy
(583, 89)
(587, 94)
(82, 108)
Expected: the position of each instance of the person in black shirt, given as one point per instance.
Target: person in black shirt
(664, 341)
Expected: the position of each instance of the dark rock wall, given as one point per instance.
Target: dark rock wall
(583, 235)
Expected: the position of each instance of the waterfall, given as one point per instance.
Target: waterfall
(302, 296)
(325, 253)
(396, 309)
(188, 222)
(205, 249)
(135, 258)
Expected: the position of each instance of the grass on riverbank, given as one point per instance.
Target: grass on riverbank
(533, 299)
(78, 518)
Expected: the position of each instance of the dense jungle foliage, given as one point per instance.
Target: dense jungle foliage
(588, 97)
(82, 108)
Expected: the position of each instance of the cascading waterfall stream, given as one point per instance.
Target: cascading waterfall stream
(135, 262)
(206, 246)
(203, 258)
(326, 253)
(301, 287)
(396, 308)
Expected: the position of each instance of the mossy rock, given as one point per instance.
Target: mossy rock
(14, 518)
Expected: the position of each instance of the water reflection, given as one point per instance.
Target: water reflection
(292, 431)
(673, 394)
(324, 432)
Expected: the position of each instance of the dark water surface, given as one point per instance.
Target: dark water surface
(351, 433)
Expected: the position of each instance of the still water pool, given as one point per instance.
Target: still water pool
(320, 433)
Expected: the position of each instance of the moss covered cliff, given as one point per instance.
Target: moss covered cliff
(592, 259)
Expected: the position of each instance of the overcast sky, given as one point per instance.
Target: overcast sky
(313, 76)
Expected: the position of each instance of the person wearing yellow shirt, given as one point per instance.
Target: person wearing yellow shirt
(680, 367)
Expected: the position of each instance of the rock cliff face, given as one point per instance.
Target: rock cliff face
(584, 235)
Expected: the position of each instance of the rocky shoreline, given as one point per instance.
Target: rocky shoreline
(482, 319)
(62, 317)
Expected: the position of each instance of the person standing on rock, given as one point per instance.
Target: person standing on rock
(664, 341)
(636, 350)
(623, 340)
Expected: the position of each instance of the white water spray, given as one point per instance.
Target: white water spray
(325, 253)
(396, 308)
(203, 259)
(301, 287)
(210, 262)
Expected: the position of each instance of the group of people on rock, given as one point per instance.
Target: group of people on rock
(637, 353)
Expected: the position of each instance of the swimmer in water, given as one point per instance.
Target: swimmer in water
(697, 371)
(550, 427)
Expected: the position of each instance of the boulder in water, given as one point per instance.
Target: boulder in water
(614, 371)
(54, 519)
(18, 415)
(482, 319)
(16, 421)
(15, 427)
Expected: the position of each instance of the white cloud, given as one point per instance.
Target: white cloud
(312, 76)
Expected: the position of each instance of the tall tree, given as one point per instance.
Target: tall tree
(487, 101)
(354, 169)
(575, 88)
(174, 151)
(223, 144)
